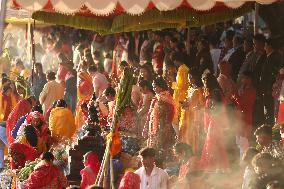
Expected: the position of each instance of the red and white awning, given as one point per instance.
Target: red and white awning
(133, 7)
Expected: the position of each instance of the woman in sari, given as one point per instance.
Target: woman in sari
(61, 122)
(214, 155)
(7, 102)
(22, 108)
(45, 175)
(36, 120)
(84, 91)
(158, 128)
(91, 170)
(130, 180)
(191, 119)
(21, 152)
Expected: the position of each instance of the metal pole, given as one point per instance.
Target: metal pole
(2, 22)
(256, 18)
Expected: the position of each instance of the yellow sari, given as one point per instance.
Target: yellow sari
(3, 106)
(85, 91)
(191, 119)
(180, 90)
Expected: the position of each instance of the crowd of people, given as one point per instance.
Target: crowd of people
(200, 108)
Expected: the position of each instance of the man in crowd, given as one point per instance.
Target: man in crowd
(51, 92)
(151, 176)
(37, 80)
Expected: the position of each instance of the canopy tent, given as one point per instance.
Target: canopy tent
(113, 16)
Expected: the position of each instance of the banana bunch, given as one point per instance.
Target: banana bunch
(25, 172)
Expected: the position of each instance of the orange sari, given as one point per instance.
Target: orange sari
(85, 91)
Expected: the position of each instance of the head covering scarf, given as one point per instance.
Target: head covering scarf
(34, 115)
(92, 160)
(130, 180)
(23, 152)
(85, 86)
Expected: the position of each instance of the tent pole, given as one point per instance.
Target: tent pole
(188, 40)
(2, 22)
(256, 18)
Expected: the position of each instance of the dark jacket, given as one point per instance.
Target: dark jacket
(269, 71)
(236, 60)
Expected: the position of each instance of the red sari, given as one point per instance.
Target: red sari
(214, 155)
(20, 153)
(45, 176)
(22, 108)
(159, 122)
(91, 170)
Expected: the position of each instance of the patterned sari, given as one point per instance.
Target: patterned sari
(158, 127)
(191, 119)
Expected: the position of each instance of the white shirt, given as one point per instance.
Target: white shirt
(229, 53)
(157, 180)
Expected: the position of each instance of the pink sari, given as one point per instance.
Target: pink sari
(214, 155)
(91, 170)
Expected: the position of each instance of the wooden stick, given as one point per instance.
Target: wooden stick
(111, 173)
(106, 172)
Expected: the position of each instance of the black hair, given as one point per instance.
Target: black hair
(214, 41)
(212, 87)
(123, 64)
(109, 91)
(259, 38)
(263, 130)
(183, 147)
(93, 68)
(196, 76)
(50, 75)
(48, 156)
(174, 40)
(160, 82)
(37, 108)
(180, 46)
(145, 83)
(147, 152)
(179, 56)
(31, 136)
(273, 43)
(30, 98)
(38, 64)
(249, 40)
(84, 105)
(238, 39)
(61, 103)
(19, 63)
(248, 74)
(230, 34)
